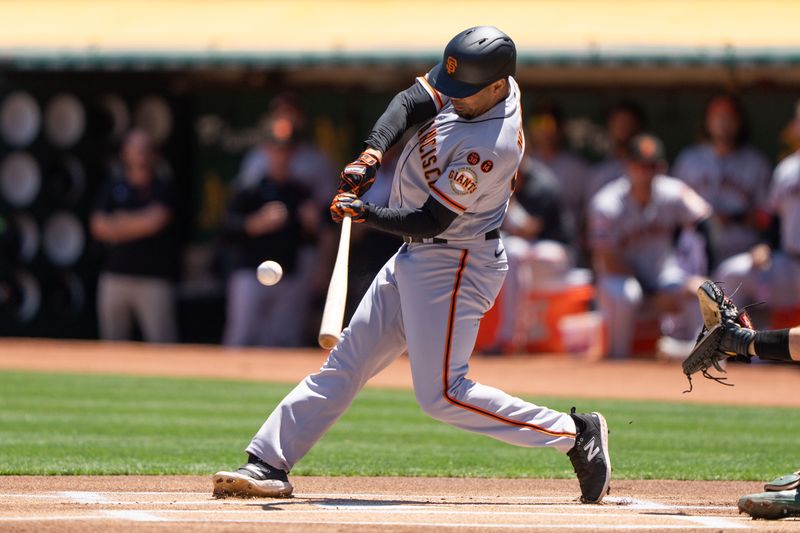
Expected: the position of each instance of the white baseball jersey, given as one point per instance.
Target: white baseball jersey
(735, 185)
(468, 165)
(644, 235)
(779, 283)
(784, 201)
(603, 173)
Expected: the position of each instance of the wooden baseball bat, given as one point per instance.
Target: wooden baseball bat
(333, 315)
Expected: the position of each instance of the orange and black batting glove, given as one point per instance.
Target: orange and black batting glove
(347, 204)
(358, 176)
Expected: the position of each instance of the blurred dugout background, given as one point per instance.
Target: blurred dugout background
(199, 75)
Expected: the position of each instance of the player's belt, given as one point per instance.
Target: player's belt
(489, 235)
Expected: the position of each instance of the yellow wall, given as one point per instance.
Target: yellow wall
(406, 26)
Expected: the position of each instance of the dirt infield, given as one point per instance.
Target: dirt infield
(559, 376)
(161, 503)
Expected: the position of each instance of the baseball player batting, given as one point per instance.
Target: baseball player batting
(449, 196)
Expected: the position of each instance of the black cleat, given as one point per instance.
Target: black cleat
(590, 457)
(256, 479)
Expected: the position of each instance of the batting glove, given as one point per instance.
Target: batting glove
(347, 204)
(358, 176)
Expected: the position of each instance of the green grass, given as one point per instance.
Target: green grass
(78, 424)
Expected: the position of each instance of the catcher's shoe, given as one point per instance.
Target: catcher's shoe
(781, 499)
(256, 479)
(590, 457)
(771, 505)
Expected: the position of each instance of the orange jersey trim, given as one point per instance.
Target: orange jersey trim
(446, 371)
(433, 92)
(449, 201)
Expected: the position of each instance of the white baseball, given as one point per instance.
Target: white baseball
(269, 273)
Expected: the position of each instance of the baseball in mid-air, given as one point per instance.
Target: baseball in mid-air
(269, 273)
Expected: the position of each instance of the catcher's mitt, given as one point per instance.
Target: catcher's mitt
(721, 318)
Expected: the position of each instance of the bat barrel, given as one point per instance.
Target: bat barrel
(333, 316)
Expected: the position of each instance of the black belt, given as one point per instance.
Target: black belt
(489, 235)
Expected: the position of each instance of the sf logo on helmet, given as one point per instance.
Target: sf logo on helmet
(452, 64)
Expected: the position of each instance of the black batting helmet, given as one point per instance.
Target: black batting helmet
(472, 60)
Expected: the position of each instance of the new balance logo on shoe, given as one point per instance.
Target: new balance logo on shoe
(589, 456)
(591, 449)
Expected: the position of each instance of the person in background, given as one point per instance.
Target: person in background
(546, 147)
(633, 222)
(770, 271)
(307, 164)
(625, 120)
(309, 167)
(270, 219)
(728, 173)
(133, 217)
(535, 240)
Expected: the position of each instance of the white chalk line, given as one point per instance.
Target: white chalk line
(135, 516)
(82, 496)
(101, 498)
(149, 517)
(327, 511)
(704, 521)
(89, 497)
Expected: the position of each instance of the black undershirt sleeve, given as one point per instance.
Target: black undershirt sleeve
(406, 109)
(428, 221)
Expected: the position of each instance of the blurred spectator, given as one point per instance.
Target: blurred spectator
(730, 174)
(308, 166)
(534, 240)
(269, 219)
(770, 271)
(633, 222)
(625, 120)
(546, 145)
(133, 218)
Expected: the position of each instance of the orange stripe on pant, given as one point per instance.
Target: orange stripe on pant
(462, 264)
